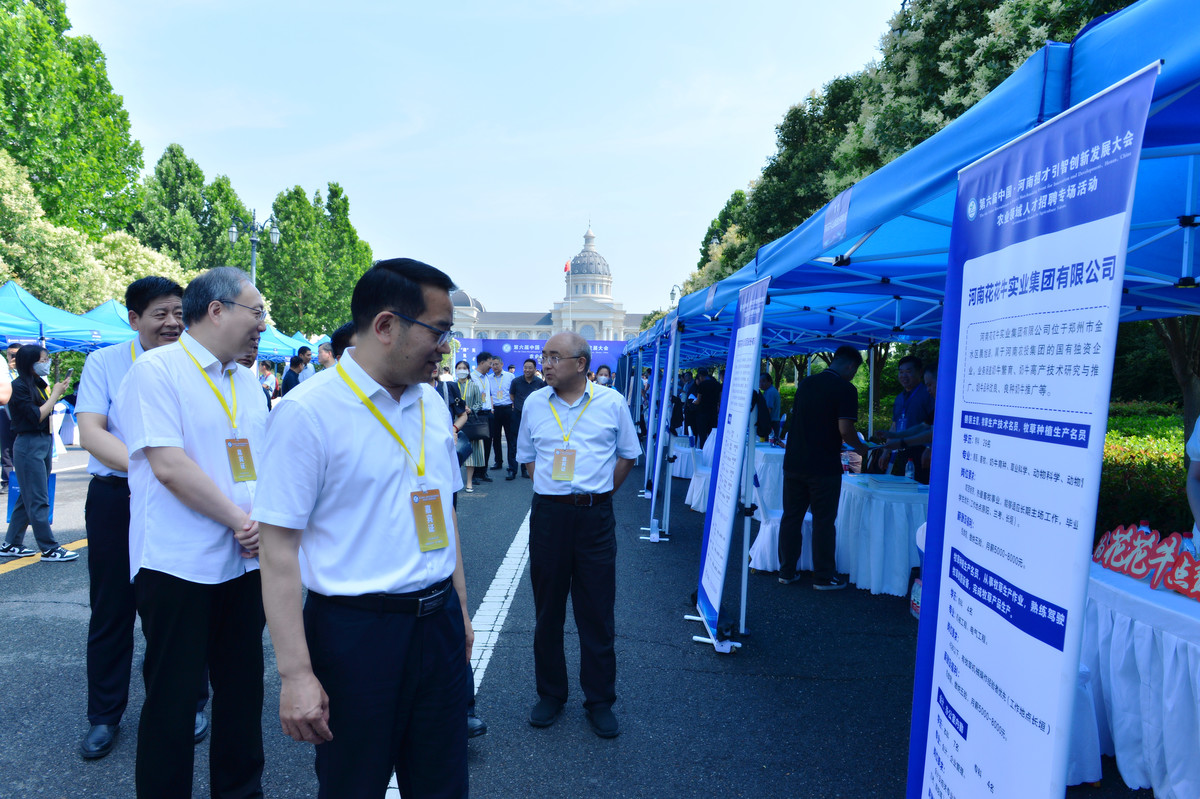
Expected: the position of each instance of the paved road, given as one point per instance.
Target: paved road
(816, 704)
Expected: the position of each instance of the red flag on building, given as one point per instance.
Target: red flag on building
(567, 268)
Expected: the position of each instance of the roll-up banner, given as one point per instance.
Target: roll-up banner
(1037, 260)
(741, 380)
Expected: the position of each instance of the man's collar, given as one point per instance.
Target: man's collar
(370, 386)
(588, 388)
(201, 353)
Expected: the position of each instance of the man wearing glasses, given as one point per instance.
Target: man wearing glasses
(194, 427)
(359, 473)
(579, 443)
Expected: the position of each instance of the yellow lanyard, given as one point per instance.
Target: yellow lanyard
(221, 397)
(133, 352)
(358, 392)
(567, 433)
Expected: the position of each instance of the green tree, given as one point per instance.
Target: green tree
(221, 205)
(62, 121)
(171, 208)
(731, 214)
(291, 275)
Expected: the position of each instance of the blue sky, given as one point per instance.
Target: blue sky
(483, 137)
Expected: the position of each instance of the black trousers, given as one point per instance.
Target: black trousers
(573, 551)
(502, 422)
(516, 426)
(398, 687)
(114, 608)
(487, 442)
(6, 445)
(821, 493)
(187, 625)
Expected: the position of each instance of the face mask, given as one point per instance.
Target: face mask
(41, 368)
(602, 380)
(461, 374)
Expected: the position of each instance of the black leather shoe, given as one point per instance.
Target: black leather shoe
(545, 712)
(511, 475)
(475, 725)
(525, 474)
(603, 722)
(99, 741)
(483, 477)
(497, 466)
(200, 731)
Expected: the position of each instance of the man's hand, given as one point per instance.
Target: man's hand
(247, 535)
(304, 709)
(470, 633)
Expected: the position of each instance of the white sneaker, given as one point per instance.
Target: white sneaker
(58, 555)
(14, 551)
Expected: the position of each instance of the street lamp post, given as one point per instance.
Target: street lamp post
(269, 226)
(675, 288)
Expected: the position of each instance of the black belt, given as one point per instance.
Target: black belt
(112, 479)
(419, 603)
(579, 500)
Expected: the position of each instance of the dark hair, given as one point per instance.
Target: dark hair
(340, 340)
(481, 357)
(914, 360)
(529, 360)
(295, 361)
(462, 363)
(27, 356)
(847, 354)
(931, 369)
(397, 284)
(219, 284)
(143, 291)
(303, 350)
(14, 345)
(605, 367)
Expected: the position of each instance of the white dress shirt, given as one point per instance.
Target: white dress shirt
(603, 432)
(499, 388)
(103, 372)
(331, 470)
(165, 401)
(308, 371)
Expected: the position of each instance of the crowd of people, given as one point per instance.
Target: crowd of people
(208, 510)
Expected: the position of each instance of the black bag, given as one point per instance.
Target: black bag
(477, 428)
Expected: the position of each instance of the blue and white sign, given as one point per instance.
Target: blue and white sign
(515, 351)
(1037, 261)
(724, 491)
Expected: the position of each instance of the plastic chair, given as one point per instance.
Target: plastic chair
(764, 551)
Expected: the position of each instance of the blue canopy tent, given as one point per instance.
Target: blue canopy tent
(275, 347)
(897, 229)
(59, 329)
(110, 312)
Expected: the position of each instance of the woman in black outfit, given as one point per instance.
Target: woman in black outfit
(32, 402)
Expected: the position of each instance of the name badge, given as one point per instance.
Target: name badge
(564, 465)
(431, 524)
(241, 462)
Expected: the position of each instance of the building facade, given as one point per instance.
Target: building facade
(587, 307)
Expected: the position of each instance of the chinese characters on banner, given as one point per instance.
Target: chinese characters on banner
(1036, 266)
(724, 491)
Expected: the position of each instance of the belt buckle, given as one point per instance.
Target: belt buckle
(428, 605)
(579, 504)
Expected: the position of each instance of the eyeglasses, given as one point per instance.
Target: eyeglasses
(443, 335)
(553, 360)
(259, 313)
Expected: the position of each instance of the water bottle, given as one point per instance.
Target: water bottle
(910, 470)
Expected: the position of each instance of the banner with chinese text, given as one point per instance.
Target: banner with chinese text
(1037, 259)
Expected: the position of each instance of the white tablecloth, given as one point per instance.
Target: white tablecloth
(876, 534)
(681, 448)
(768, 465)
(1142, 647)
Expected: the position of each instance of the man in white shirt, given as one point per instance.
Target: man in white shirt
(499, 382)
(579, 442)
(309, 370)
(194, 425)
(325, 356)
(156, 314)
(356, 504)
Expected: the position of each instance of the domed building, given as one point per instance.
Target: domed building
(587, 307)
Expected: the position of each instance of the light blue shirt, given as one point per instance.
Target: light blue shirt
(103, 372)
(498, 388)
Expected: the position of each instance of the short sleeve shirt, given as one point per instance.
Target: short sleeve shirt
(814, 442)
(332, 471)
(599, 432)
(103, 372)
(165, 401)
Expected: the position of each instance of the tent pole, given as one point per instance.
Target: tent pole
(870, 390)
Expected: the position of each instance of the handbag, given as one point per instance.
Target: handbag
(476, 428)
(462, 447)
